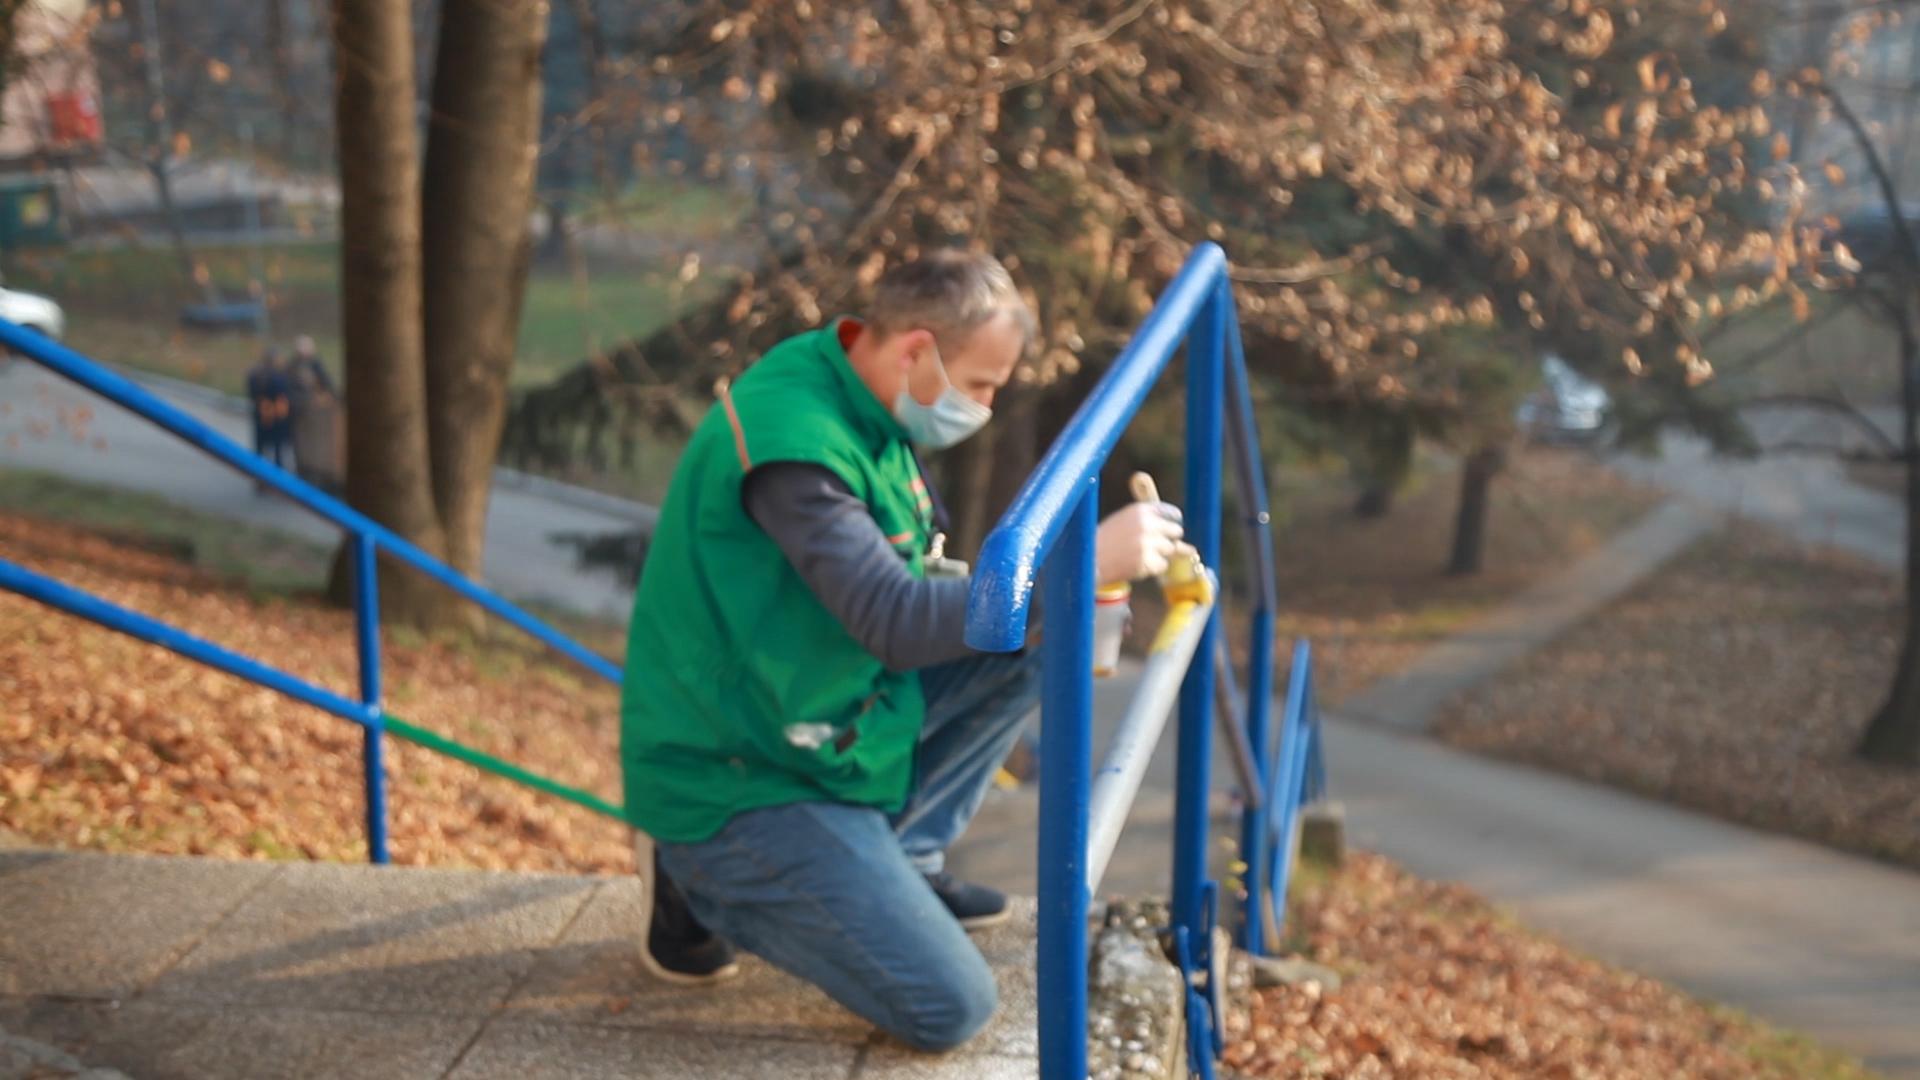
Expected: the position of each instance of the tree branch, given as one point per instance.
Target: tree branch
(1889, 191)
(1303, 272)
(1845, 410)
(1077, 42)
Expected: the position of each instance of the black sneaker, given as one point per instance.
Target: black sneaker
(976, 906)
(680, 950)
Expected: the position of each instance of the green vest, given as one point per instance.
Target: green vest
(742, 690)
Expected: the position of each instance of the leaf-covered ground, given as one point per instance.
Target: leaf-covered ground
(108, 743)
(1372, 595)
(1438, 984)
(111, 744)
(1737, 681)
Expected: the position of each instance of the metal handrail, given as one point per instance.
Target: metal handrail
(1117, 781)
(137, 399)
(1011, 554)
(368, 540)
(1045, 540)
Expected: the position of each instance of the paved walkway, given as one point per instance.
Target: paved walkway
(201, 969)
(1805, 495)
(1538, 615)
(523, 559)
(1819, 941)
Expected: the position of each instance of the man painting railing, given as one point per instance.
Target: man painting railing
(781, 676)
(806, 729)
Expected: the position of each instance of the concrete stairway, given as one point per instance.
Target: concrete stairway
(181, 967)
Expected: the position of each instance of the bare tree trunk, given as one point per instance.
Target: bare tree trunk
(1894, 735)
(280, 53)
(1381, 465)
(161, 169)
(482, 146)
(160, 162)
(1476, 499)
(593, 55)
(388, 476)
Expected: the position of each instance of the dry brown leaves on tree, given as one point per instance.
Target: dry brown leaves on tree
(1555, 162)
(1437, 984)
(112, 744)
(1737, 681)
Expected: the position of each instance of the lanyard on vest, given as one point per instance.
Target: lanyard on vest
(937, 562)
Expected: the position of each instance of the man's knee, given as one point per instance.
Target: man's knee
(943, 1017)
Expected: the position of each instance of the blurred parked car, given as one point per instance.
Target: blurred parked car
(1568, 407)
(33, 311)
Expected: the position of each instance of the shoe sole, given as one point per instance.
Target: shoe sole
(987, 922)
(678, 978)
(643, 857)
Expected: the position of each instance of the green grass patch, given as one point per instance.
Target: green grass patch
(123, 304)
(1792, 1054)
(568, 316)
(268, 561)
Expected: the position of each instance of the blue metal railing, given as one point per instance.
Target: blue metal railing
(1046, 537)
(369, 538)
(1298, 777)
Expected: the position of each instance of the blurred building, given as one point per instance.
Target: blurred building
(50, 111)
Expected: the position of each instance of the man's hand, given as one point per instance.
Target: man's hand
(1136, 542)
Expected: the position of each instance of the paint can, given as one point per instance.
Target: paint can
(1112, 612)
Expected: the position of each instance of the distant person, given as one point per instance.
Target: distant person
(310, 379)
(270, 395)
(315, 449)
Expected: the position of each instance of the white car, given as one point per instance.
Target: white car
(1568, 407)
(33, 311)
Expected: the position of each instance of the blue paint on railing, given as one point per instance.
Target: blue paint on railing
(366, 627)
(1296, 773)
(18, 579)
(1046, 535)
(1206, 387)
(130, 395)
(1066, 788)
(368, 540)
(1011, 555)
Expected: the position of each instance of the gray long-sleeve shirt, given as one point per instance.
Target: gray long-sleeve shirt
(838, 549)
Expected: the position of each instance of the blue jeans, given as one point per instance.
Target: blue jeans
(837, 894)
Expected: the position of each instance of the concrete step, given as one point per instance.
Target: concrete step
(185, 967)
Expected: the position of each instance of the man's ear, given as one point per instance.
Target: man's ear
(912, 344)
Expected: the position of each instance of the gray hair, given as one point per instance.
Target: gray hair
(949, 292)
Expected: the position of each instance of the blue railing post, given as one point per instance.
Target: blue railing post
(1066, 785)
(1206, 343)
(1253, 821)
(1290, 761)
(366, 624)
(1251, 473)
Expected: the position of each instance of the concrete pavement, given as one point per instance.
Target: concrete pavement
(169, 967)
(523, 560)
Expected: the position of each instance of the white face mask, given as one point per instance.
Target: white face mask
(951, 418)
